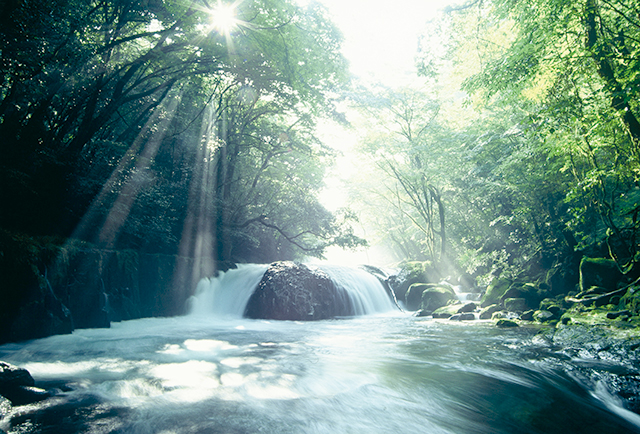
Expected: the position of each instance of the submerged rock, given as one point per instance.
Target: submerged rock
(297, 292)
(447, 311)
(463, 317)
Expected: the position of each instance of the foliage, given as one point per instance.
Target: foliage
(141, 125)
(529, 132)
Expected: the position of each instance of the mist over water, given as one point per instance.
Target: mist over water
(377, 373)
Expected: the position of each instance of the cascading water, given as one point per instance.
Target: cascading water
(214, 371)
(366, 293)
(227, 294)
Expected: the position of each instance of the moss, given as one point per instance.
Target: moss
(496, 289)
(447, 311)
(412, 272)
(506, 323)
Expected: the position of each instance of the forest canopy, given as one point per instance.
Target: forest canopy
(168, 126)
(178, 127)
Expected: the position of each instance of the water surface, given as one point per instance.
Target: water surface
(371, 374)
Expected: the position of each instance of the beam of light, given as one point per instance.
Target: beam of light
(198, 235)
(142, 151)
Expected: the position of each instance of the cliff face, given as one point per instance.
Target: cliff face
(48, 289)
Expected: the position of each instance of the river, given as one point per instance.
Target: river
(386, 372)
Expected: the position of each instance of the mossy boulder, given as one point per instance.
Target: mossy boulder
(488, 311)
(506, 323)
(447, 311)
(496, 289)
(516, 304)
(600, 272)
(436, 296)
(290, 291)
(530, 293)
(412, 272)
(528, 315)
(544, 316)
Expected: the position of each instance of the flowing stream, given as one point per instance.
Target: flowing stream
(384, 372)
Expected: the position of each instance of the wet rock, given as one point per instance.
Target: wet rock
(528, 315)
(297, 292)
(5, 407)
(463, 317)
(447, 311)
(422, 312)
(467, 307)
(498, 315)
(543, 316)
(12, 376)
(17, 385)
(488, 311)
(506, 323)
(22, 395)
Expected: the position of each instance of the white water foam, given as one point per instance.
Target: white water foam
(228, 293)
(366, 293)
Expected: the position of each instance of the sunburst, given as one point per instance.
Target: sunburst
(223, 18)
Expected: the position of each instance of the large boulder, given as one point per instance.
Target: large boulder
(428, 296)
(495, 291)
(412, 272)
(297, 292)
(437, 296)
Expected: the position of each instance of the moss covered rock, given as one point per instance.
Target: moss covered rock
(544, 316)
(515, 304)
(488, 311)
(447, 311)
(495, 291)
(436, 296)
(412, 272)
(505, 323)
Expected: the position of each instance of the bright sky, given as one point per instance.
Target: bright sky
(381, 37)
(381, 40)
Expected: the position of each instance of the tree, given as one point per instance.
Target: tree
(123, 118)
(554, 84)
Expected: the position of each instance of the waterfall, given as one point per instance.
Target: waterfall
(366, 293)
(228, 293)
